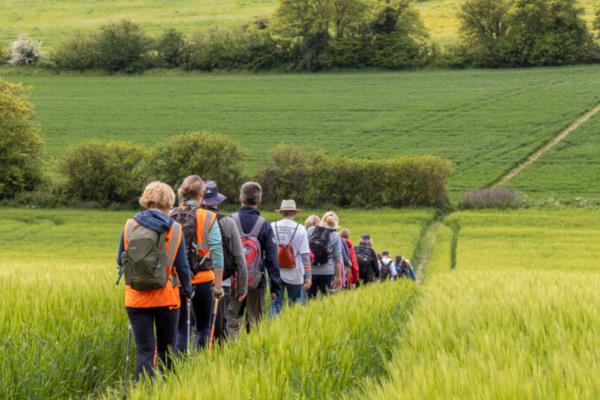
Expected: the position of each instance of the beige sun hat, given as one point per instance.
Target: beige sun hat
(288, 205)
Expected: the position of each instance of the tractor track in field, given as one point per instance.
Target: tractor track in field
(533, 157)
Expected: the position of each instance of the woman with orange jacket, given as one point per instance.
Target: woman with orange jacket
(156, 308)
(206, 264)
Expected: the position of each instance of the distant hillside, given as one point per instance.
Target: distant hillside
(52, 20)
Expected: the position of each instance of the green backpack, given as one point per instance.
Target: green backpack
(146, 260)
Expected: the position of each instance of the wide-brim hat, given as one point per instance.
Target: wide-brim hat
(288, 205)
(212, 197)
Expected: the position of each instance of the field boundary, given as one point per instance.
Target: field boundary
(425, 244)
(533, 157)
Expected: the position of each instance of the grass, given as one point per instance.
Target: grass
(484, 121)
(51, 21)
(500, 335)
(62, 324)
(564, 239)
(569, 173)
(317, 352)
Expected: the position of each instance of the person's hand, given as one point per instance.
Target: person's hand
(218, 293)
(188, 294)
(337, 283)
(307, 283)
(242, 296)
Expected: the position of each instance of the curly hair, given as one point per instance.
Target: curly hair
(158, 195)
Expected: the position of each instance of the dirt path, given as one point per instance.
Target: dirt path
(550, 144)
(425, 247)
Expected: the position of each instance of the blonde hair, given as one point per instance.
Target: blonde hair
(330, 220)
(191, 188)
(158, 195)
(312, 220)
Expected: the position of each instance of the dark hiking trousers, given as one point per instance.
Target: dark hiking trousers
(221, 321)
(143, 321)
(202, 303)
(320, 284)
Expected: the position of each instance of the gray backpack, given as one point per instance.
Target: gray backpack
(146, 260)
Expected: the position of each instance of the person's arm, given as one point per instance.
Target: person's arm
(182, 267)
(230, 230)
(216, 253)
(271, 262)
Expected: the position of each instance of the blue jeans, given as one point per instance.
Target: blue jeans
(294, 296)
(202, 304)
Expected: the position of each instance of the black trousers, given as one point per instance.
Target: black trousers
(143, 321)
(202, 303)
(320, 284)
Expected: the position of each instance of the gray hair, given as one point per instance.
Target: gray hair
(251, 194)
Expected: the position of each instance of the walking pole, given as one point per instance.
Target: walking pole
(126, 376)
(189, 326)
(212, 328)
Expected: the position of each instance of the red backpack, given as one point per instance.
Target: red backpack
(252, 250)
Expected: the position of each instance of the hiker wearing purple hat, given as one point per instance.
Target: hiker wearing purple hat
(234, 273)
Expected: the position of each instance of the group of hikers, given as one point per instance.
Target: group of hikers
(191, 264)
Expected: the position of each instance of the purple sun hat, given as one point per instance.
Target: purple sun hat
(212, 197)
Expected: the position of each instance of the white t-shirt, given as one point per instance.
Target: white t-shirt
(285, 230)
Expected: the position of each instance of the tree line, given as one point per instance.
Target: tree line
(314, 35)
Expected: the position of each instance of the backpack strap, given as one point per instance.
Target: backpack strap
(257, 227)
(294, 234)
(129, 225)
(238, 222)
(203, 229)
(174, 243)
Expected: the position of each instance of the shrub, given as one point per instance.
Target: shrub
(123, 47)
(244, 48)
(20, 143)
(25, 51)
(284, 175)
(77, 53)
(403, 181)
(493, 197)
(172, 48)
(105, 172)
(210, 156)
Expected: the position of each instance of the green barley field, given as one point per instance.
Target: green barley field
(515, 317)
(63, 334)
(483, 121)
(50, 21)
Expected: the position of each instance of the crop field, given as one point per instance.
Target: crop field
(63, 333)
(516, 318)
(569, 172)
(51, 21)
(484, 121)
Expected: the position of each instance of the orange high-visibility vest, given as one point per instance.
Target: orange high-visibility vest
(204, 222)
(168, 296)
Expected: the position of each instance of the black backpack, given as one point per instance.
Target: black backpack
(319, 245)
(364, 257)
(186, 217)
(228, 258)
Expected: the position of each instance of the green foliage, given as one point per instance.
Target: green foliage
(244, 48)
(80, 52)
(20, 143)
(597, 22)
(172, 48)
(284, 174)
(123, 46)
(211, 156)
(524, 32)
(105, 172)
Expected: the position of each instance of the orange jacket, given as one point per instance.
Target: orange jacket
(168, 296)
(204, 221)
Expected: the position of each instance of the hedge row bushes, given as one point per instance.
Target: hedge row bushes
(340, 181)
(116, 172)
(339, 34)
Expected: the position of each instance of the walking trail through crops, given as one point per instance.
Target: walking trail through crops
(550, 144)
